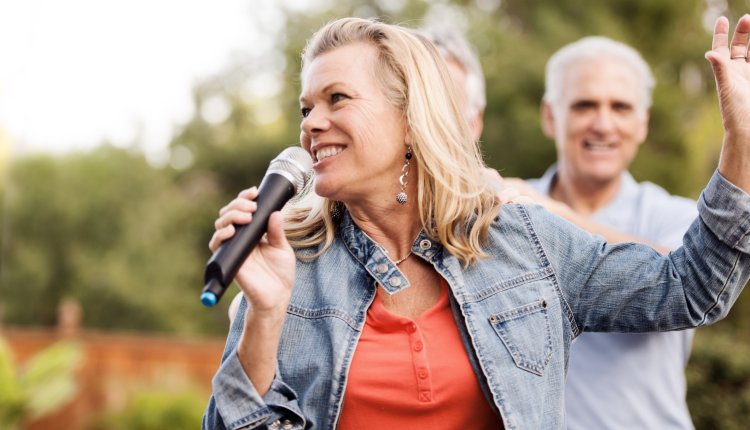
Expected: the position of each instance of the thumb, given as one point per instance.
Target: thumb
(275, 234)
(716, 61)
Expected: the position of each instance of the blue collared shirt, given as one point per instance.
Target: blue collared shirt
(544, 283)
(631, 380)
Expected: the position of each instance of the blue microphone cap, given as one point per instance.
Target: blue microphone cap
(209, 299)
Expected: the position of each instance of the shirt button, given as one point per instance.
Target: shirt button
(411, 327)
(425, 244)
(395, 282)
(418, 345)
(422, 373)
(381, 268)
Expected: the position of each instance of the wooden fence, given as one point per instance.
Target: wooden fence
(116, 365)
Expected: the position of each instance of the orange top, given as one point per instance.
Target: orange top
(409, 374)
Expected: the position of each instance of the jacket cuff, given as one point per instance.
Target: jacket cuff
(725, 209)
(240, 405)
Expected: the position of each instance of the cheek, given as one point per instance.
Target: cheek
(304, 141)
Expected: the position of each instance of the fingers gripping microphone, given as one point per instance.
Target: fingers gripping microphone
(287, 175)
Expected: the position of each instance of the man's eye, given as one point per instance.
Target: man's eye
(622, 107)
(305, 111)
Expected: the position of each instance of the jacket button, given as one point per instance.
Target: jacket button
(425, 244)
(395, 282)
(381, 268)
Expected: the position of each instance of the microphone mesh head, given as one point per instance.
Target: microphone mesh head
(295, 164)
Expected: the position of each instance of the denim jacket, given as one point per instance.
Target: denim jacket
(544, 283)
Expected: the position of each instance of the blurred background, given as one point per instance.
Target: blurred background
(125, 125)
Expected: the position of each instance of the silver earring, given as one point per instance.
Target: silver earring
(401, 197)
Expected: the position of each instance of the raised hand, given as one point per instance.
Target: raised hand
(732, 74)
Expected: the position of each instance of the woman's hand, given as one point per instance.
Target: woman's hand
(732, 74)
(267, 276)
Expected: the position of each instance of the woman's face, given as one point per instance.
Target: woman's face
(355, 135)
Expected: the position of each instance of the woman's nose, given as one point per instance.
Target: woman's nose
(316, 121)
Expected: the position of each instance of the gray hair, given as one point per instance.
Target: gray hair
(453, 46)
(595, 47)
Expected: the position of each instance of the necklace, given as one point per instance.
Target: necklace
(385, 251)
(408, 254)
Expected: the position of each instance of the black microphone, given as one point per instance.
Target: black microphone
(287, 175)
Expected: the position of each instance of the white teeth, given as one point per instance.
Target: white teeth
(598, 146)
(328, 151)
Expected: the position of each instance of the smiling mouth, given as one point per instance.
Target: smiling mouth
(598, 146)
(327, 152)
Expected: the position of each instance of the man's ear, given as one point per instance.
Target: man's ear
(548, 120)
(643, 132)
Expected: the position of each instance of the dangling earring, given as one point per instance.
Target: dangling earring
(403, 179)
(337, 211)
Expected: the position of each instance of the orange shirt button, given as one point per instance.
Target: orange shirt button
(418, 346)
(422, 373)
(411, 327)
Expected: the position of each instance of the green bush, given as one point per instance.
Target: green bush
(719, 380)
(157, 410)
(40, 387)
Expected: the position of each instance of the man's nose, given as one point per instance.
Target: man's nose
(604, 120)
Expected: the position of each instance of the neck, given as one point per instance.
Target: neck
(393, 228)
(584, 196)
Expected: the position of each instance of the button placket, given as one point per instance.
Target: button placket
(420, 362)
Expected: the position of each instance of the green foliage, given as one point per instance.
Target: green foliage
(43, 385)
(157, 410)
(124, 239)
(719, 380)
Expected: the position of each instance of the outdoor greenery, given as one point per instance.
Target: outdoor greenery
(128, 238)
(40, 387)
(156, 410)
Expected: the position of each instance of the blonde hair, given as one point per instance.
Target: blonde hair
(455, 204)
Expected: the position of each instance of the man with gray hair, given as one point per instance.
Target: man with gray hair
(596, 108)
(465, 70)
(598, 94)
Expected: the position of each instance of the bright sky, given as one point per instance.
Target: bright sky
(76, 72)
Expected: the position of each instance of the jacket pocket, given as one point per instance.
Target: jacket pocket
(526, 334)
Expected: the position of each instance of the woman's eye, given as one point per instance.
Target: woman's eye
(305, 111)
(337, 97)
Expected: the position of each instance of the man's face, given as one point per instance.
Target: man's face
(460, 78)
(598, 123)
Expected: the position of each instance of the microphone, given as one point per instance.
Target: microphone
(286, 177)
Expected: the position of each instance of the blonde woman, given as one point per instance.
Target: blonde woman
(405, 295)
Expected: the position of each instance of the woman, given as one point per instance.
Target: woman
(406, 295)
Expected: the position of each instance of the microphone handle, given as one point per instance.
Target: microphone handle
(275, 190)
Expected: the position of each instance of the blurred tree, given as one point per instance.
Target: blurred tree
(719, 380)
(126, 240)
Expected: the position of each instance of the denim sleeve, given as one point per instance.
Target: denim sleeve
(234, 402)
(631, 288)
